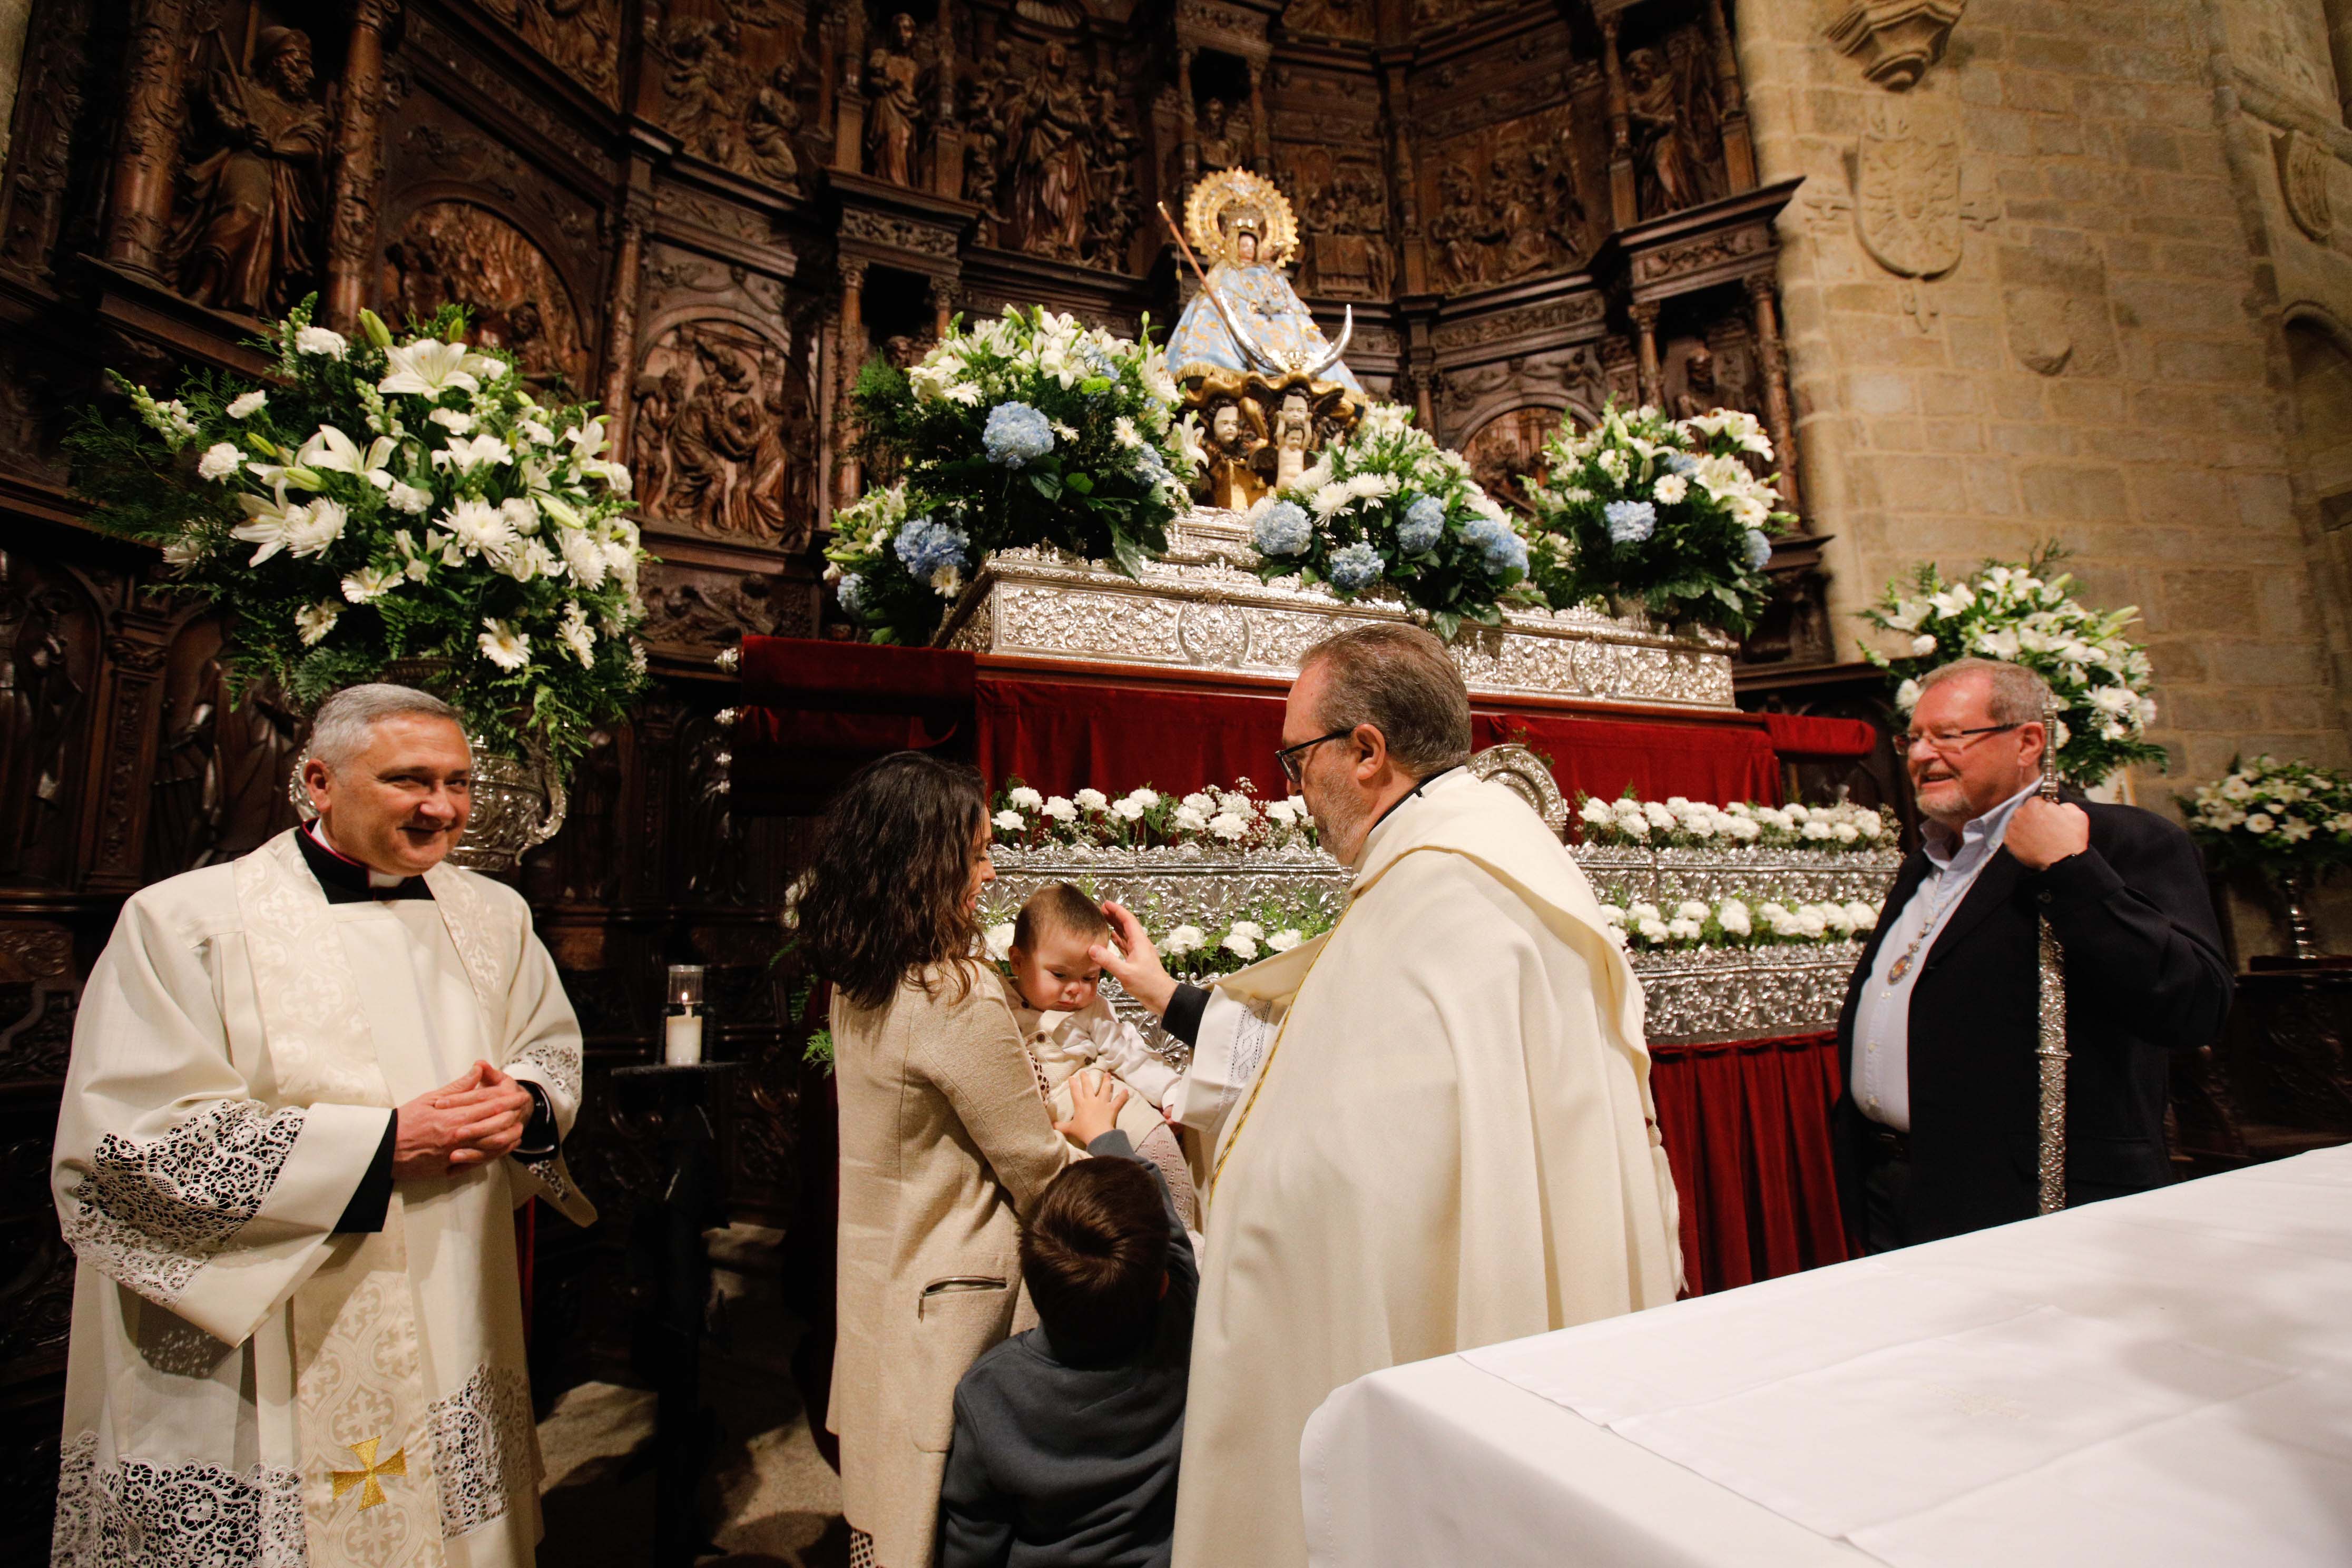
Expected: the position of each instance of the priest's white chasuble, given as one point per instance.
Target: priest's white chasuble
(246, 1388)
(1429, 1130)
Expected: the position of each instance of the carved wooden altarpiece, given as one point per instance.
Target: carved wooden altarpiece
(705, 215)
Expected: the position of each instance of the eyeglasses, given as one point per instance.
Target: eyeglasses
(1949, 741)
(1289, 755)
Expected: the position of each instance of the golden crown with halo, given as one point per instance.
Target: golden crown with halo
(1231, 202)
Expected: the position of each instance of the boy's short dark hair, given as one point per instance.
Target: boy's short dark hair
(1094, 1254)
(1058, 906)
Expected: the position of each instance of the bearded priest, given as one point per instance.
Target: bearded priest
(309, 1088)
(1430, 1129)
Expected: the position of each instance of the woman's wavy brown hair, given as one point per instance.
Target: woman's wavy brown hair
(883, 897)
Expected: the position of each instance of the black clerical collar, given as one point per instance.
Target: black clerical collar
(1407, 796)
(345, 879)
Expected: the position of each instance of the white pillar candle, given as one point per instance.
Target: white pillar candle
(682, 1039)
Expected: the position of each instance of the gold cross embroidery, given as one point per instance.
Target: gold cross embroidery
(365, 1478)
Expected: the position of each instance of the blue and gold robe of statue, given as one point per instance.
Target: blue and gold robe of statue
(1262, 300)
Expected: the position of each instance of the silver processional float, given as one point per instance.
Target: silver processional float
(2049, 1048)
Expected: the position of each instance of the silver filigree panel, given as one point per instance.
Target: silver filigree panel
(1205, 608)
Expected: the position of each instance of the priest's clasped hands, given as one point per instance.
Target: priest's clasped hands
(475, 1118)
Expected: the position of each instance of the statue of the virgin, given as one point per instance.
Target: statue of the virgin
(1243, 230)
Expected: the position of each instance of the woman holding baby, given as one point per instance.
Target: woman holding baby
(944, 1138)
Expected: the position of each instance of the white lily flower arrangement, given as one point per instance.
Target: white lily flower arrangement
(2273, 818)
(390, 500)
(2023, 613)
(1678, 823)
(1214, 817)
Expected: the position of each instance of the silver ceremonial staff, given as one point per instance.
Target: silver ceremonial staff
(2050, 1048)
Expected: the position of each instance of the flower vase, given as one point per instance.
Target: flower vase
(2294, 889)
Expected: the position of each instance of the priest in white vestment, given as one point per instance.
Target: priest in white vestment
(309, 1090)
(1430, 1129)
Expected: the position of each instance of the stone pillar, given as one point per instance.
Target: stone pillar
(852, 361)
(1765, 314)
(849, 101)
(1623, 205)
(621, 314)
(1645, 339)
(130, 686)
(1261, 133)
(1414, 250)
(943, 305)
(351, 223)
(1188, 144)
(139, 199)
(1739, 148)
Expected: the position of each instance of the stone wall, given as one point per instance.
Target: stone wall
(2053, 288)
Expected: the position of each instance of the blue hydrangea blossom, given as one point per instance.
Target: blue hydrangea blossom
(1504, 549)
(1759, 550)
(1631, 522)
(1678, 463)
(1356, 568)
(1016, 435)
(1425, 522)
(1283, 530)
(924, 546)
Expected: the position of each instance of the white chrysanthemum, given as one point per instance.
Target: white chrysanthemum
(1188, 820)
(315, 621)
(246, 404)
(578, 635)
(504, 645)
(997, 941)
(408, 498)
(369, 583)
(320, 341)
(1060, 810)
(1025, 798)
(1289, 937)
(1092, 800)
(1229, 827)
(477, 528)
(1185, 939)
(1242, 947)
(584, 558)
(219, 461)
(1733, 917)
(1009, 821)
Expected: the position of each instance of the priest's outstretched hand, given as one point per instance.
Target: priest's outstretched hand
(1133, 961)
(476, 1117)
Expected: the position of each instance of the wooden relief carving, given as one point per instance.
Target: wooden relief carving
(459, 253)
(1349, 19)
(731, 83)
(1671, 101)
(219, 787)
(1345, 217)
(51, 97)
(1507, 452)
(1051, 155)
(724, 434)
(48, 669)
(253, 183)
(1508, 202)
(581, 36)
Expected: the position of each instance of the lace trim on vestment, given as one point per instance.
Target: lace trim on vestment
(151, 1211)
(485, 1448)
(135, 1514)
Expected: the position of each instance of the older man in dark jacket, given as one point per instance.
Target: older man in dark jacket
(1937, 1128)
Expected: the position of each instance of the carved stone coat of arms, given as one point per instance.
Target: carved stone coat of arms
(1907, 180)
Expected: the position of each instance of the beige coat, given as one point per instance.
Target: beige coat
(943, 1141)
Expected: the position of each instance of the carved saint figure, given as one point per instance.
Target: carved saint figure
(1293, 432)
(254, 201)
(1220, 147)
(1244, 226)
(775, 116)
(1051, 192)
(894, 110)
(706, 82)
(658, 400)
(1699, 395)
(1454, 227)
(1236, 437)
(1662, 145)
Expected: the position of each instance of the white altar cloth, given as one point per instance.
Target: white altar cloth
(2161, 1379)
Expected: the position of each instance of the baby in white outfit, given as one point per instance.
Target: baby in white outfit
(1066, 1026)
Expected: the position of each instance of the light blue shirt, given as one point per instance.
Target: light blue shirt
(1882, 1017)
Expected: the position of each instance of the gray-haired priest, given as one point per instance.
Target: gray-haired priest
(309, 1088)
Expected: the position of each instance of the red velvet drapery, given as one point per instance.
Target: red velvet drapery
(1063, 736)
(1746, 1125)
